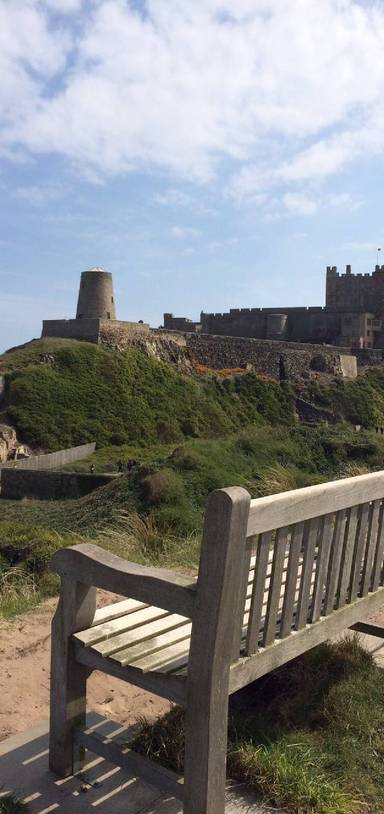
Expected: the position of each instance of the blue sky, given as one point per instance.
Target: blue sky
(209, 154)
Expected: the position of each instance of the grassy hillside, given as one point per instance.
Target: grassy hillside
(61, 393)
(154, 515)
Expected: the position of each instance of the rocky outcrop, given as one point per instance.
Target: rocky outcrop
(10, 448)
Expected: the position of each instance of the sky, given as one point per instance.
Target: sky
(210, 154)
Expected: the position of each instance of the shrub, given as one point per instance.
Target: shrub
(165, 486)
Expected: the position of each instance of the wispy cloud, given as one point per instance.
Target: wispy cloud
(184, 232)
(172, 197)
(362, 245)
(278, 95)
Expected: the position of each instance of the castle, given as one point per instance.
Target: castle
(295, 355)
(95, 312)
(353, 316)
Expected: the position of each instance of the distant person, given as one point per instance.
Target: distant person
(92, 468)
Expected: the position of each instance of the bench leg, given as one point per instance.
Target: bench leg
(68, 683)
(205, 757)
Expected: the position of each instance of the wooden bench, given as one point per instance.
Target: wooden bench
(277, 576)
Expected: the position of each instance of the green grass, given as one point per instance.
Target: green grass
(309, 736)
(155, 514)
(62, 393)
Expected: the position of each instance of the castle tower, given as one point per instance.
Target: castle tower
(96, 299)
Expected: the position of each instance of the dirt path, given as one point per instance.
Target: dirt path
(24, 678)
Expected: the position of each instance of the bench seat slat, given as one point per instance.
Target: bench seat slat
(97, 634)
(129, 655)
(163, 661)
(141, 634)
(115, 610)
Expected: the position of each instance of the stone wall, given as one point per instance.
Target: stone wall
(52, 460)
(91, 330)
(42, 485)
(282, 360)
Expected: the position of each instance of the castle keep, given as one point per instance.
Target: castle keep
(96, 313)
(353, 316)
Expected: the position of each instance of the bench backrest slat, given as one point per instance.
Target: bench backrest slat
(292, 578)
(255, 613)
(274, 593)
(334, 561)
(307, 553)
(276, 511)
(324, 547)
(373, 530)
(378, 559)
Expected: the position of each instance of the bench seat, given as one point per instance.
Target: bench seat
(150, 639)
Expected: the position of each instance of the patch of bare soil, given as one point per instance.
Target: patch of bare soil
(25, 644)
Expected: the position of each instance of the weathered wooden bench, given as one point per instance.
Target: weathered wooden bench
(277, 576)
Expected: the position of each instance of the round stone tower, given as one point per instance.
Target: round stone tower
(96, 299)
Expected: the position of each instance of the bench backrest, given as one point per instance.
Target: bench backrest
(300, 555)
(311, 551)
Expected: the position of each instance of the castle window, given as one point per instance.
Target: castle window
(108, 315)
(111, 299)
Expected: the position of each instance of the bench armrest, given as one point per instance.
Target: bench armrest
(93, 566)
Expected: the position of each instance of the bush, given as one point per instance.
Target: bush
(165, 486)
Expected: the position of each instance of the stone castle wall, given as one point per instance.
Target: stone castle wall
(90, 330)
(282, 360)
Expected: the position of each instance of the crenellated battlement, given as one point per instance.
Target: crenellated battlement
(353, 315)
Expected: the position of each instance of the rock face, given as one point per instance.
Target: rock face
(188, 352)
(10, 448)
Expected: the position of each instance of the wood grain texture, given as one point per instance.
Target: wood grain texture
(292, 579)
(349, 543)
(358, 553)
(311, 529)
(371, 547)
(276, 511)
(76, 609)
(378, 559)
(220, 579)
(258, 595)
(249, 669)
(92, 565)
(324, 544)
(269, 632)
(334, 562)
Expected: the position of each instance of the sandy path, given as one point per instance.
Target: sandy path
(24, 678)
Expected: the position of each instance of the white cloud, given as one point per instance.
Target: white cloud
(172, 197)
(284, 93)
(183, 232)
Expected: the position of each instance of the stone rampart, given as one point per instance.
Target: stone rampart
(42, 485)
(282, 360)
